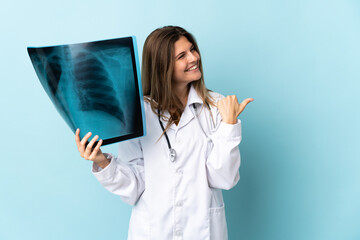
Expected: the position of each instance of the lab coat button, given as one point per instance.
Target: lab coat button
(179, 171)
(179, 204)
(178, 233)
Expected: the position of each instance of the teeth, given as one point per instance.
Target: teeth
(192, 68)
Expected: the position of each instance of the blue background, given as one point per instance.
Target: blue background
(299, 60)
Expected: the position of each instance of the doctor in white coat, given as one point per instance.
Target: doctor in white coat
(174, 176)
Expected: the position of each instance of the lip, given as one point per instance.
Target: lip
(194, 70)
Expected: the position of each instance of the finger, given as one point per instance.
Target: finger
(77, 137)
(89, 149)
(244, 103)
(96, 149)
(85, 138)
(83, 141)
(234, 97)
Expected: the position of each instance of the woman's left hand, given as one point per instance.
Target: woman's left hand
(230, 108)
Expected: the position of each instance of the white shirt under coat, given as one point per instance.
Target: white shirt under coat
(180, 199)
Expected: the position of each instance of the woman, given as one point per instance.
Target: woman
(174, 175)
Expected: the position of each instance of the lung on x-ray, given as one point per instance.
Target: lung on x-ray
(95, 86)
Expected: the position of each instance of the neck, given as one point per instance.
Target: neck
(182, 92)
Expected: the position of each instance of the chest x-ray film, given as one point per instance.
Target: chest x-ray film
(95, 86)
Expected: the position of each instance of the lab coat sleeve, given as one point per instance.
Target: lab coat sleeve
(223, 161)
(124, 176)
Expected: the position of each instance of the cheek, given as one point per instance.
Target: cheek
(179, 70)
(176, 73)
(181, 66)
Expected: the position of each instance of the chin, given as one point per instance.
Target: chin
(197, 76)
(195, 80)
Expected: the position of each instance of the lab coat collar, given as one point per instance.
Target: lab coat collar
(193, 96)
(188, 114)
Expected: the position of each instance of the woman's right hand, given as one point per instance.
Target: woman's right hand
(88, 152)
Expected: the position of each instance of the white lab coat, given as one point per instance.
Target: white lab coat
(180, 199)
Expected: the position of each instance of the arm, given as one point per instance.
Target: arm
(224, 159)
(124, 177)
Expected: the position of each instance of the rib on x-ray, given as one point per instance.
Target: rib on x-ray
(95, 86)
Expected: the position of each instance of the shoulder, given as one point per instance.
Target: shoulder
(146, 101)
(147, 107)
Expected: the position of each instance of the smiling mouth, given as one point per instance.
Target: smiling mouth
(196, 66)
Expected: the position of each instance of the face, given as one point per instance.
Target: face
(186, 67)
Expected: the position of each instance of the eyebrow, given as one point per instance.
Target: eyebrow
(192, 46)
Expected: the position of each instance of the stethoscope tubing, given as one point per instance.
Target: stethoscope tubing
(172, 152)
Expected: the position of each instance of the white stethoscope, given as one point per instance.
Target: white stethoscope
(172, 152)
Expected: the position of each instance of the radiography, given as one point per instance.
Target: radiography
(95, 86)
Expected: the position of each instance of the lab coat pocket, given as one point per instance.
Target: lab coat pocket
(139, 227)
(218, 228)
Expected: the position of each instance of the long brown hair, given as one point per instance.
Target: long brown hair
(157, 71)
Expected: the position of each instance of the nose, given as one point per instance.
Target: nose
(193, 56)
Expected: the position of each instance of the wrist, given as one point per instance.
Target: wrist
(103, 164)
(230, 121)
(105, 161)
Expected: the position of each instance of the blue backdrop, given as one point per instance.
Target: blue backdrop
(299, 60)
